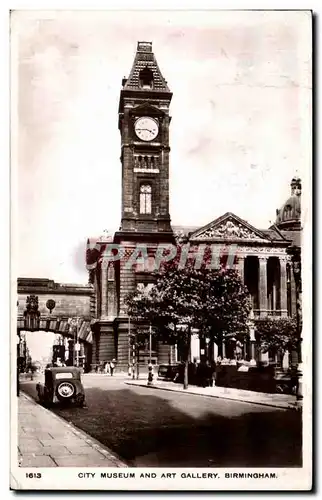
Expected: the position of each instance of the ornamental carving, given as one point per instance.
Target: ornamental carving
(230, 230)
(276, 251)
(32, 303)
(107, 236)
(31, 314)
(180, 236)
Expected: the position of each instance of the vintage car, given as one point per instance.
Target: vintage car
(62, 385)
(167, 372)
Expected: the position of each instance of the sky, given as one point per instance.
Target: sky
(239, 132)
(40, 349)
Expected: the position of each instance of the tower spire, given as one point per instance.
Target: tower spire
(145, 73)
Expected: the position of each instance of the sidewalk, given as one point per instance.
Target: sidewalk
(46, 440)
(284, 401)
(119, 374)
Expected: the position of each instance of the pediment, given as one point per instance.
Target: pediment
(229, 227)
(146, 108)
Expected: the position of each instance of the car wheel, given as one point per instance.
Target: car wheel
(65, 391)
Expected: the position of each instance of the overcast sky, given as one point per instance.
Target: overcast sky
(239, 129)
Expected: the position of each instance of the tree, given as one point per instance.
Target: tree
(226, 306)
(214, 301)
(277, 335)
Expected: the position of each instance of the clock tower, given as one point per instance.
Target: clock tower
(145, 220)
(144, 126)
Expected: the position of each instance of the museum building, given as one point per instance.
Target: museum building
(262, 260)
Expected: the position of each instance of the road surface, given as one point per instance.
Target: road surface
(156, 428)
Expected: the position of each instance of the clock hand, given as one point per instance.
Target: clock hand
(146, 129)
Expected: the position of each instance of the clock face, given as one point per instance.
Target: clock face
(146, 128)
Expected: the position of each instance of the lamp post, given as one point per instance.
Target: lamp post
(76, 344)
(74, 326)
(207, 341)
(295, 253)
(129, 372)
(150, 367)
(150, 344)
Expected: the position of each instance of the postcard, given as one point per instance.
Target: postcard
(161, 166)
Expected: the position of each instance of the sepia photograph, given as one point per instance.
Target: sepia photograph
(161, 225)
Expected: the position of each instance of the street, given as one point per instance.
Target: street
(156, 428)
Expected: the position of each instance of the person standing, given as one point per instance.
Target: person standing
(112, 367)
(213, 373)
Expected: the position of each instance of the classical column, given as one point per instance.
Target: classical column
(104, 289)
(175, 353)
(172, 354)
(111, 292)
(252, 360)
(283, 285)
(241, 267)
(262, 285)
(223, 349)
(195, 346)
(274, 297)
(215, 353)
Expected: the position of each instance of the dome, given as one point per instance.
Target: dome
(288, 217)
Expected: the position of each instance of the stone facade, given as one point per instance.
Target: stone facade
(43, 305)
(260, 255)
(69, 301)
(145, 215)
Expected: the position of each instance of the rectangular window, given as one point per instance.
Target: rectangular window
(145, 199)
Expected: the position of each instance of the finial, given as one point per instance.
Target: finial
(296, 186)
(144, 47)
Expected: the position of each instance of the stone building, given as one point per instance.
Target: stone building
(262, 257)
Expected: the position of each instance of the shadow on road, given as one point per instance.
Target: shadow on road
(153, 429)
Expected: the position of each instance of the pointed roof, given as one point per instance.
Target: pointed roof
(230, 227)
(145, 60)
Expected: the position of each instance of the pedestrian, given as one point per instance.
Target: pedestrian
(107, 368)
(208, 374)
(112, 366)
(213, 374)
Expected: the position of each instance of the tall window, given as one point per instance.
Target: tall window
(145, 199)
(146, 78)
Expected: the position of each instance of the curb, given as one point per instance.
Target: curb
(288, 406)
(94, 443)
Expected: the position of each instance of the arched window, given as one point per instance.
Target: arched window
(146, 78)
(288, 212)
(145, 199)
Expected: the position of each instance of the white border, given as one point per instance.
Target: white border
(291, 476)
